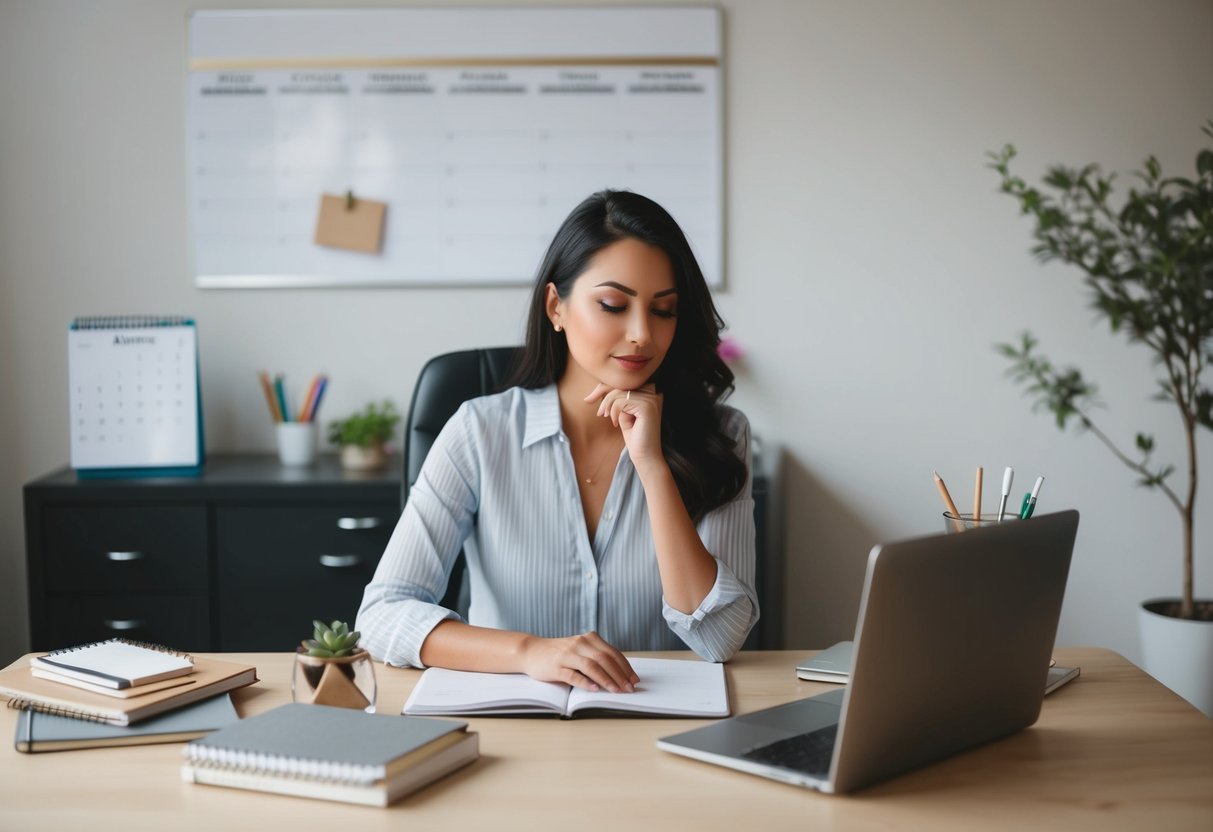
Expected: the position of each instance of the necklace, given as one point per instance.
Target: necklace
(597, 470)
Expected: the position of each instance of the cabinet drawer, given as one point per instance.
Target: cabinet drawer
(125, 549)
(291, 548)
(179, 621)
(256, 621)
(280, 568)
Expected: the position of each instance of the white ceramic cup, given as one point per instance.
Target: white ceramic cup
(296, 443)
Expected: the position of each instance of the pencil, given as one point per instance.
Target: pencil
(305, 409)
(977, 498)
(947, 499)
(320, 388)
(270, 399)
(278, 389)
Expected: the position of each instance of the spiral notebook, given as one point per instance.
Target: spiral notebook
(331, 754)
(118, 664)
(136, 404)
(210, 677)
(39, 732)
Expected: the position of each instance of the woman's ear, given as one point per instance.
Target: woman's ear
(553, 306)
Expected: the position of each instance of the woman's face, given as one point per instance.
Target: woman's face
(619, 319)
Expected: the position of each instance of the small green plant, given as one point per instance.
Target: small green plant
(374, 424)
(331, 641)
(1149, 266)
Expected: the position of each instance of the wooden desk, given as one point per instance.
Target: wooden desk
(1112, 750)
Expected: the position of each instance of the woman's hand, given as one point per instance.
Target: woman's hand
(637, 414)
(584, 661)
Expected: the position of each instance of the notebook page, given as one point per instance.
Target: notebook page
(462, 691)
(667, 686)
(116, 660)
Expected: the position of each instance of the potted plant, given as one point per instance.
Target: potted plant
(1148, 262)
(331, 669)
(363, 435)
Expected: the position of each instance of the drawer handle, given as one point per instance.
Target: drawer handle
(122, 556)
(340, 561)
(353, 523)
(124, 623)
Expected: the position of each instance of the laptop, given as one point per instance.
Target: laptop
(951, 651)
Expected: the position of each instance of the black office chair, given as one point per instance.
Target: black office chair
(446, 382)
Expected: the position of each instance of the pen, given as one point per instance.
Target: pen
(947, 499)
(1007, 476)
(1029, 500)
(977, 498)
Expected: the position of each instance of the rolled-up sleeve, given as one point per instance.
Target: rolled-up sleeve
(400, 604)
(719, 626)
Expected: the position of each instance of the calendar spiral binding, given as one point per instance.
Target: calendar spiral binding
(146, 645)
(130, 321)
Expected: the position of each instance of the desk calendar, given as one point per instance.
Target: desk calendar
(134, 396)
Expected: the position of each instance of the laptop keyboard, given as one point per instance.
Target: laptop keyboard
(810, 752)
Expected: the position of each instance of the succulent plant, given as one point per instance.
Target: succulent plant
(330, 641)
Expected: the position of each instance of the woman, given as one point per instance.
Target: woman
(603, 500)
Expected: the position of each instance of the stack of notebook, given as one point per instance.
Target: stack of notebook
(331, 754)
(117, 684)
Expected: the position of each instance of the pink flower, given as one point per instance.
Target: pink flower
(729, 350)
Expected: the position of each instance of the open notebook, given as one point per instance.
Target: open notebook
(668, 687)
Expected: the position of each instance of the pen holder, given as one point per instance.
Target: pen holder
(296, 443)
(953, 523)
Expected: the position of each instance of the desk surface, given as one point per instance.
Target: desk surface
(1112, 750)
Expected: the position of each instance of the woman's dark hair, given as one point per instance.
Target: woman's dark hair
(692, 378)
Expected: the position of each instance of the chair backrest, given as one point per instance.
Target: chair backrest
(445, 382)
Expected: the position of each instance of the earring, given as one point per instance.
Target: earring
(559, 328)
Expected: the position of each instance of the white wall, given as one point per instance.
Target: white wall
(870, 267)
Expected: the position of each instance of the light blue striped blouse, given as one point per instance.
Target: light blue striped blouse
(499, 481)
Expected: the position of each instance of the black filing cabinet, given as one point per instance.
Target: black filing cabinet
(239, 559)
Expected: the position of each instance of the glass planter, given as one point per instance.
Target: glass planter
(343, 682)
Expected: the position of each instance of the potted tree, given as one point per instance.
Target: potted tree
(363, 435)
(1148, 262)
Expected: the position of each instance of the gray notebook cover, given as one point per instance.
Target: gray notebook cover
(42, 732)
(834, 661)
(332, 735)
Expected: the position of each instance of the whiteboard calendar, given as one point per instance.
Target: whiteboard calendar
(479, 128)
(134, 394)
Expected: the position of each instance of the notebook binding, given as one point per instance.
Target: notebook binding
(297, 768)
(57, 710)
(146, 645)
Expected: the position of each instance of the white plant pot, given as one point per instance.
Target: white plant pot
(1178, 653)
(357, 458)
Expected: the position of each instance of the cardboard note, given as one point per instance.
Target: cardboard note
(356, 225)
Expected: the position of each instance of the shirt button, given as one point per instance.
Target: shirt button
(589, 576)
(607, 515)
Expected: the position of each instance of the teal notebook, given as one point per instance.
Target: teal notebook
(38, 732)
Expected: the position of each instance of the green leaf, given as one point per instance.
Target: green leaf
(1145, 443)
